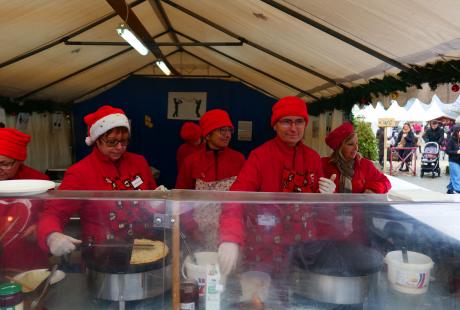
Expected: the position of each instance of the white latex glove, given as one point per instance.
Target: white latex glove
(61, 244)
(228, 256)
(327, 186)
(161, 188)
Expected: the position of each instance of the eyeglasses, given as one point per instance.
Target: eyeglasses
(7, 165)
(287, 123)
(224, 130)
(114, 142)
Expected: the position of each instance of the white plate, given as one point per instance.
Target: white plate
(33, 278)
(24, 187)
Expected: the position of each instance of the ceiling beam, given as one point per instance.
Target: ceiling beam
(254, 45)
(163, 17)
(157, 43)
(252, 67)
(37, 90)
(118, 78)
(79, 71)
(64, 38)
(231, 74)
(136, 26)
(186, 76)
(336, 34)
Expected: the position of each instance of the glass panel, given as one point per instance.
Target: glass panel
(291, 251)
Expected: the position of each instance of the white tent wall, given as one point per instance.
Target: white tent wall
(48, 148)
(322, 149)
(317, 143)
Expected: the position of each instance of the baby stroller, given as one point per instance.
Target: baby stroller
(430, 160)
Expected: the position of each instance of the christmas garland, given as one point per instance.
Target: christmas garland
(13, 107)
(434, 74)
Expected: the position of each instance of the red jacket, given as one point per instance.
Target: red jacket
(184, 151)
(22, 253)
(103, 219)
(208, 165)
(270, 229)
(366, 176)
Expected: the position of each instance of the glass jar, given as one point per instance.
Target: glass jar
(11, 296)
(188, 295)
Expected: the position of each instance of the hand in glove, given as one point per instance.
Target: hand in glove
(161, 188)
(61, 244)
(228, 256)
(327, 186)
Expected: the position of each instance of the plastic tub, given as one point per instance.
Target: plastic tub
(412, 277)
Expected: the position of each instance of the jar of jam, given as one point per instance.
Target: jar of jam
(11, 296)
(189, 295)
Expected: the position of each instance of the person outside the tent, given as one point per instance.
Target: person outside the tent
(406, 138)
(283, 164)
(18, 219)
(434, 133)
(191, 134)
(213, 167)
(453, 150)
(355, 174)
(108, 167)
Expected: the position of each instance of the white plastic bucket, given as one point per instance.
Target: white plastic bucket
(412, 277)
(198, 271)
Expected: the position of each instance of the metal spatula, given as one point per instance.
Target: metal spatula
(43, 289)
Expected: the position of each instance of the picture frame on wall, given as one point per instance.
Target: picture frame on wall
(186, 105)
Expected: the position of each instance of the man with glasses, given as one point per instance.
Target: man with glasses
(213, 167)
(13, 153)
(283, 164)
(108, 167)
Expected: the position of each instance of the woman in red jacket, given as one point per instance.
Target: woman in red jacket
(20, 248)
(214, 167)
(190, 132)
(355, 174)
(108, 167)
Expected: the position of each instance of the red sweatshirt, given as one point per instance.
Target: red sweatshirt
(365, 177)
(184, 151)
(267, 230)
(22, 253)
(101, 219)
(208, 165)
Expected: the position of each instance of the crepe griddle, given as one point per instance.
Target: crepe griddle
(115, 256)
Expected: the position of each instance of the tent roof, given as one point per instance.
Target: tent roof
(311, 48)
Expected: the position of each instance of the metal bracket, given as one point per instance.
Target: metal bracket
(163, 220)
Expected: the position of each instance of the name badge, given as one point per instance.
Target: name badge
(266, 220)
(137, 182)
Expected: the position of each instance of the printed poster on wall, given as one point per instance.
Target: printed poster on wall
(186, 105)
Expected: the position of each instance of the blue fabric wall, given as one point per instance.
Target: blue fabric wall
(140, 96)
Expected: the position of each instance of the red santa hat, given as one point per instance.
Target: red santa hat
(13, 143)
(214, 119)
(335, 138)
(289, 106)
(190, 132)
(104, 119)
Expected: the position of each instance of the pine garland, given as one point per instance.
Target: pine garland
(12, 107)
(440, 72)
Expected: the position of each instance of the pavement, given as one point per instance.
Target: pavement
(437, 184)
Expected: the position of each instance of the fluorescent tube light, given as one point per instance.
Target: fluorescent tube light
(129, 37)
(163, 67)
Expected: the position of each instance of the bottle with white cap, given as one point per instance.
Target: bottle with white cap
(213, 287)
